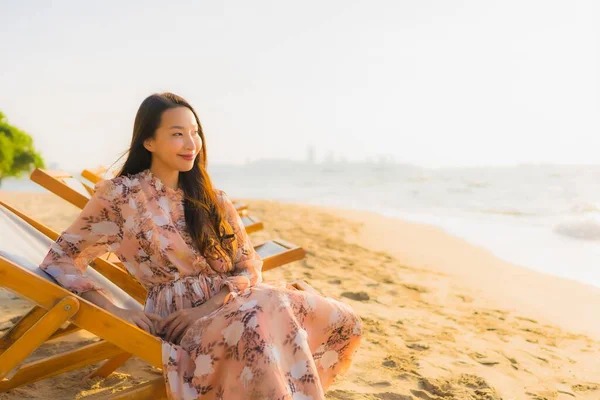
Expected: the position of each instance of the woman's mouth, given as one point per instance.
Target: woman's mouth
(187, 157)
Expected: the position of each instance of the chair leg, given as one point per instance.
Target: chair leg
(37, 334)
(154, 389)
(65, 331)
(60, 363)
(26, 322)
(110, 366)
(20, 327)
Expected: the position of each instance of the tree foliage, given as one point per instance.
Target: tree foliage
(17, 154)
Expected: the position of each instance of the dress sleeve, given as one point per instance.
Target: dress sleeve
(97, 230)
(247, 266)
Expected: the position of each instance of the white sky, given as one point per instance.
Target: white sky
(434, 83)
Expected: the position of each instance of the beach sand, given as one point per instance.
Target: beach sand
(443, 319)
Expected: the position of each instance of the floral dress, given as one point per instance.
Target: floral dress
(267, 340)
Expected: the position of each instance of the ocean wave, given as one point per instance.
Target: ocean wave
(586, 207)
(513, 213)
(478, 184)
(586, 229)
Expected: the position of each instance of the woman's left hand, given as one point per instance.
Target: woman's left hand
(174, 325)
(302, 285)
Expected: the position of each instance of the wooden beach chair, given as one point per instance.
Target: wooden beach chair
(78, 193)
(58, 312)
(97, 174)
(22, 248)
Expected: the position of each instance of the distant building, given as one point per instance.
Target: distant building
(330, 158)
(385, 159)
(311, 155)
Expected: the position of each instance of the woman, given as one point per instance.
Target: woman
(226, 334)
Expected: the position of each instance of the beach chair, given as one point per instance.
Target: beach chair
(78, 193)
(22, 248)
(58, 312)
(97, 174)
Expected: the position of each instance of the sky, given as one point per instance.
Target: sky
(429, 82)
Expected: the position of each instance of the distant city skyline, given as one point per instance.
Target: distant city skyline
(333, 157)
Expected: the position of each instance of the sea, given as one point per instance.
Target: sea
(539, 216)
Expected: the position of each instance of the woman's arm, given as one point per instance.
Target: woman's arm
(97, 230)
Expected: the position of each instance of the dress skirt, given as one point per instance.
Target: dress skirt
(272, 341)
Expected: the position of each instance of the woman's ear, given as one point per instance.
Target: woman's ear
(149, 145)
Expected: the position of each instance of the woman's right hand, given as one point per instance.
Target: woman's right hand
(143, 320)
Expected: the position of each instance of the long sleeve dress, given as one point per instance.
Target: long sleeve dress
(267, 340)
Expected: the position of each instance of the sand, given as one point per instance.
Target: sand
(443, 319)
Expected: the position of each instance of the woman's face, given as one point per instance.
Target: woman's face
(176, 142)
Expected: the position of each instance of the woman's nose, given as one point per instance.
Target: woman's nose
(189, 144)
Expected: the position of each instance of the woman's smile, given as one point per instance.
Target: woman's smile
(188, 157)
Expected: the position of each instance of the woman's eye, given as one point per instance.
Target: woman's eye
(179, 133)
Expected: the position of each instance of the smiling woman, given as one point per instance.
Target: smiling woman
(226, 334)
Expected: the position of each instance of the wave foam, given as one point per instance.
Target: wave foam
(586, 229)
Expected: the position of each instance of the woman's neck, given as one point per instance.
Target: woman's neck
(168, 177)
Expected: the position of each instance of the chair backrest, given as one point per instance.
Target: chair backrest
(64, 185)
(97, 174)
(26, 246)
(76, 185)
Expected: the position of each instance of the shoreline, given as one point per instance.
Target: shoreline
(559, 300)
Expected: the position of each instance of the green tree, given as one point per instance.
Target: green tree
(17, 155)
